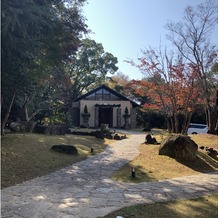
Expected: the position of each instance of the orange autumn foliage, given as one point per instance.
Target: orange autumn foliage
(172, 89)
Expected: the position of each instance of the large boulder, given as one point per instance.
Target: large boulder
(179, 147)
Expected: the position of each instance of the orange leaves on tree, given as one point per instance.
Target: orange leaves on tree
(170, 87)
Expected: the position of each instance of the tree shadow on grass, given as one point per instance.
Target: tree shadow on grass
(200, 207)
(86, 184)
(28, 155)
(203, 163)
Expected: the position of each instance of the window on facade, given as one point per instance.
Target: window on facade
(98, 95)
(102, 94)
(106, 95)
(91, 97)
(114, 97)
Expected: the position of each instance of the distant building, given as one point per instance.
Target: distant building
(106, 106)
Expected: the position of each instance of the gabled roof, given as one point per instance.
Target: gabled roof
(122, 97)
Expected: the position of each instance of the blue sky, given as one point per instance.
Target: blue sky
(125, 27)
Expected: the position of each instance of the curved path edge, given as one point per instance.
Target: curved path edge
(84, 190)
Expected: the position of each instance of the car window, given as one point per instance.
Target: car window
(197, 126)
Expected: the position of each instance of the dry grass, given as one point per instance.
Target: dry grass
(200, 207)
(206, 140)
(26, 156)
(150, 166)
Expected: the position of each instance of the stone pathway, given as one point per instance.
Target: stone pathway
(84, 190)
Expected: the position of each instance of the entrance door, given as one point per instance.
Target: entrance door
(106, 116)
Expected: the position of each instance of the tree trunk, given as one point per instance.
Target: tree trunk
(1, 101)
(211, 114)
(176, 123)
(169, 128)
(216, 127)
(172, 124)
(212, 119)
(7, 113)
(186, 122)
(26, 115)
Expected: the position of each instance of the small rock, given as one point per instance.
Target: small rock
(66, 149)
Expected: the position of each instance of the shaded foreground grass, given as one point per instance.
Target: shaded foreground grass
(151, 167)
(205, 207)
(26, 156)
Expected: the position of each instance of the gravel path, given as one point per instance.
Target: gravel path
(84, 189)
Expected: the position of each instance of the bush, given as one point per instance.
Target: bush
(150, 119)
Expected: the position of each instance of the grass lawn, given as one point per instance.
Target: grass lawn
(150, 166)
(26, 156)
(205, 207)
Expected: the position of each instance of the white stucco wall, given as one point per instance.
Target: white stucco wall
(91, 109)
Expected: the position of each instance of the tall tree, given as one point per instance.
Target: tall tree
(192, 38)
(89, 67)
(35, 34)
(118, 82)
(171, 86)
(122, 84)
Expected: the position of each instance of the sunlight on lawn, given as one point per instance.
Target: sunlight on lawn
(204, 207)
(26, 156)
(150, 166)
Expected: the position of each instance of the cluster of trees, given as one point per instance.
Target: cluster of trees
(177, 82)
(47, 61)
(46, 58)
(182, 82)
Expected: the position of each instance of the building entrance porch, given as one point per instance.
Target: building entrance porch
(107, 114)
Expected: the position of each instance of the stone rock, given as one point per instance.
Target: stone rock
(67, 130)
(123, 137)
(179, 147)
(212, 153)
(104, 126)
(16, 127)
(7, 131)
(117, 137)
(149, 139)
(66, 149)
(29, 125)
(92, 133)
(99, 134)
(108, 136)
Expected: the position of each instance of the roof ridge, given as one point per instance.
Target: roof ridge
(108, 89)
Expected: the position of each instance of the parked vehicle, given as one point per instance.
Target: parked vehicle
(195, 128)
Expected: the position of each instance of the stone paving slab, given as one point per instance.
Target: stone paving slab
(84, 190)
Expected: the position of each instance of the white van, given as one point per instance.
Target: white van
(195, 128)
